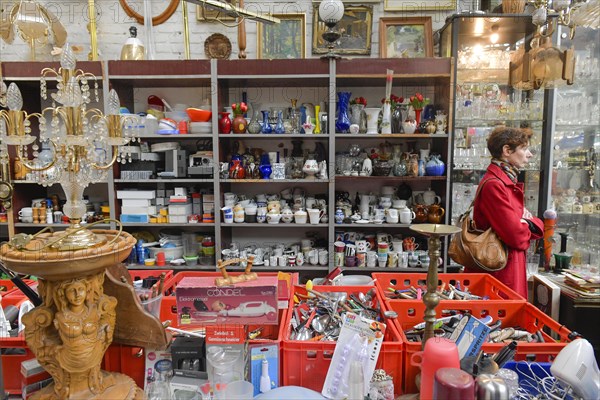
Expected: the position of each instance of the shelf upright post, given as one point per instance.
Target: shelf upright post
(331, 166)
(214, 100)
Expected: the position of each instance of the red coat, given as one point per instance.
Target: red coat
(500, 204)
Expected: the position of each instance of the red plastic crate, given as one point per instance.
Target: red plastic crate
(478, 284)
(168, 308)
(305, 363)
(14, 291)
(127, 360)
(524, 315)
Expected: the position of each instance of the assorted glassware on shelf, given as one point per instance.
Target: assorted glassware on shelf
(388, 160)
(309, 252)
(291, 205)
(306, 119)
(256, 163)
(487, 101)
(393, 205)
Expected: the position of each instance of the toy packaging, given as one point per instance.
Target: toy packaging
(199, 301)
(358, 346)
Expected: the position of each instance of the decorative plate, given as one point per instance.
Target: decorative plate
(217, 46)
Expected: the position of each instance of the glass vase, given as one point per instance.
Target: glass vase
(239, 124)
(266, 126)
(342, 124)
(224, 123)
(279, 128)
(356, 115)
(254, 125)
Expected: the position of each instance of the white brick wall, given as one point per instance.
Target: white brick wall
(113, 28)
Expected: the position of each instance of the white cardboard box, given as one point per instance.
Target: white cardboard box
(136, 202)
(136, 194)
(180, 209)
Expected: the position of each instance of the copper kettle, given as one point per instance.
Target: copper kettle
(420, 212)
(435, 214)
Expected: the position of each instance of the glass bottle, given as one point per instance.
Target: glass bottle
(160, 389)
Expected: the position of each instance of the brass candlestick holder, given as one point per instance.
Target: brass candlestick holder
(431, 299)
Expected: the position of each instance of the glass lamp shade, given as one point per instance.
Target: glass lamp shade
(114, 104)
(67, 57)
(331, 10)
(14, 100)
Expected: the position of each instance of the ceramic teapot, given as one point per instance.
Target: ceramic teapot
(429, 197)
(421, 214)
(273, 217)
(435, 213)
(287, 215)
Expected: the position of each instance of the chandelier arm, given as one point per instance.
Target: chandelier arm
(110, 164)
(47, 71)
(45, 167)
(548, 31)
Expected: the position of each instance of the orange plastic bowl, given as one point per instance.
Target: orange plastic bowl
(198, 115)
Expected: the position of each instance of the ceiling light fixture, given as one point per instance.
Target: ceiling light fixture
(235, 11)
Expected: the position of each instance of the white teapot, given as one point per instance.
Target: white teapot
(287, 215)
(273, 217)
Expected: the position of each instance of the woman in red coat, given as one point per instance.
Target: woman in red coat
(500, 204)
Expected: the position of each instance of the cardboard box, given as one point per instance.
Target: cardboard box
(180, 209)
(136, 194)
(189, 356)
(136, 203)
(199, 301)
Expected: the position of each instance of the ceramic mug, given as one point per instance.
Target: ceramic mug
(362, 246)
(371, 259)
(314, 215)
(391, 216)
(323, 257)
(300, 216)
(26, 212)
(384, 237)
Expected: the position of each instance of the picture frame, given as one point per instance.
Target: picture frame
(418, 5)
(206, 14)
(409, 37)
(356, 27)
(283, 40)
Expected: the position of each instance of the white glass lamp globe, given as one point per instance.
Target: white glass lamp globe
(331, 10)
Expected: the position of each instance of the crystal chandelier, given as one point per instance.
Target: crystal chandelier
(85, 142)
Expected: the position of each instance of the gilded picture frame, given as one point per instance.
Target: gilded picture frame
(418, 5)
(207, 14)
(284, 40)
(356, 27)
(410, 37)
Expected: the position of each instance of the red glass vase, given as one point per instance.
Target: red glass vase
(224, 122)
(239, 123)
(236, 171)
(418, 115)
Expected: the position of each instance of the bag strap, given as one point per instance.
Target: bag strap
(473, 202)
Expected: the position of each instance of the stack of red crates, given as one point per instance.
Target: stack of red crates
(503, 304)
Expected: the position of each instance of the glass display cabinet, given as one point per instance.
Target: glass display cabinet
(574, 190)
(487, 50)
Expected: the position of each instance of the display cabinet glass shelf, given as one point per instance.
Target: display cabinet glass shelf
(574, 190)
(485, 97)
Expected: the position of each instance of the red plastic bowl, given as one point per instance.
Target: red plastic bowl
(198, 115)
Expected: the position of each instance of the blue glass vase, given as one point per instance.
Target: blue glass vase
(266, 127)
(302, 118)
(265, 167)
(279, 128)
(342, 123)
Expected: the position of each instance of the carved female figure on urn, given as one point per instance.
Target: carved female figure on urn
(84, 319)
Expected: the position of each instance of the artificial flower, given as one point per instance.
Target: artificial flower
(418, 101)
(394, 100)
(239, 108)
(359, 100)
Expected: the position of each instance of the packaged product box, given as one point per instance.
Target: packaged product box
(157, 361)
(199, 301)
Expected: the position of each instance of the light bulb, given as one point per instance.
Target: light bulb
(114, 105)
(331, 10)
(14, 100)
(67, 58)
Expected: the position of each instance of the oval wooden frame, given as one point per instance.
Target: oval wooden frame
(159, 19)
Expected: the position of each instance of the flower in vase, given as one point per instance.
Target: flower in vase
(359, 100)
(394, 100)
(239, 108)
(418, 101)
(308, 125)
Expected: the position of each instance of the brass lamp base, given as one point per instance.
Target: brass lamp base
(77, 237)
(431, 299)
